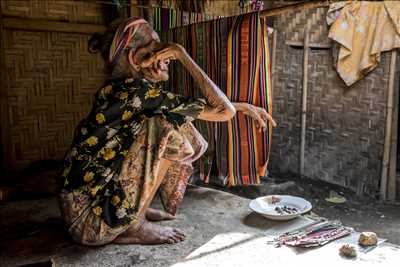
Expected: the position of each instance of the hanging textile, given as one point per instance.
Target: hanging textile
(196, 6)
(248, 80)
(363, 31)
(165, 18)
(234, 54)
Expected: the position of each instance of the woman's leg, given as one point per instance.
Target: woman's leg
(145, 232)
(159, 147)
(173, 187)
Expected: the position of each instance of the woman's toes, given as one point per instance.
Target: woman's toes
(170, 241)
(175, 236)
(176, 230)
(175, 239)
(179, 232)
(180, 235)
(169, 216)
(180, 238)
(166, 216)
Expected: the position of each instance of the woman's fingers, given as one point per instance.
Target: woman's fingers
(261, 116)
(148, 62)
(267, 117)
(258, 118)
(154, 59)
(258, 126)
(166, 54)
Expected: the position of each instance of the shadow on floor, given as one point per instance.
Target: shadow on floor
(39, 240)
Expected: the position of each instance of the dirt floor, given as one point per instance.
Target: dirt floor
(32, 231)
(363, 214)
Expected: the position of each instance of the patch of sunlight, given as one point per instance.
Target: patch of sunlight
(244, 249)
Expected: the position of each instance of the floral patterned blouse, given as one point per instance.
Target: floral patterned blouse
(102, 141)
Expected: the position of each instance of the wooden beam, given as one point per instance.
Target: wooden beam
(294, 7)
(312, 45)
(51, 26)
(264, 13)
(304, 99)
(388, 131)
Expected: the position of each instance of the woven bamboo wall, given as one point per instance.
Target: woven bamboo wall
(345, 126)
(49, 78)
(294, 24)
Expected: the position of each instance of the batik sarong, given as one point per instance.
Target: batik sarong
(111, 170)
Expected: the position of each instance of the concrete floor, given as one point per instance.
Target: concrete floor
(221, 231)
(363, 214)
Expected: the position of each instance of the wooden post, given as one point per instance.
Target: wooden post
(388, 131)
(273, 60)
(134, 10)
(304, 99)
(392, 176)
(148, 12)
(4, 143)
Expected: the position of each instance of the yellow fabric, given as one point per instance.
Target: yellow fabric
(363, 30)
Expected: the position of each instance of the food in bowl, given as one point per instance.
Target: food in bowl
(284, 210)
(272, 199)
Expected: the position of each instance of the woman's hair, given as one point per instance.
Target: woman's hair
(101, 43)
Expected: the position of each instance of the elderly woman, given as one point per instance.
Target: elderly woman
(138, 139)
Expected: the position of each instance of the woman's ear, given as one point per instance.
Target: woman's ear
(132, 61)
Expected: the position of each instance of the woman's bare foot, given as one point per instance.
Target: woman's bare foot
(158, 215)
(149, 233)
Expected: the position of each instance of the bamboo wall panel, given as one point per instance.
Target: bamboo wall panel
(51, 79)
(62, 10)
(345, 126)
(294, 25)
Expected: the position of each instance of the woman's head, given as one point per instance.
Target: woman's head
(126, 45)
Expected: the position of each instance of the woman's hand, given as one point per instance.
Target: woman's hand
(165, 52)
(260, 115)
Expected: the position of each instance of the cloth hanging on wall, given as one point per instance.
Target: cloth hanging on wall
(363, 30)
(234, 53)
(248, 80)
(165, 18)
(186, 5)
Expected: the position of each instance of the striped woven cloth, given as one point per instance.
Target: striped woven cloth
(234, 53)
(166, 18)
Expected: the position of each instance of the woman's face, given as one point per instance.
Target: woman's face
(158, 71)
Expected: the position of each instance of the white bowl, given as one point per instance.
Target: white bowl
(263, 206)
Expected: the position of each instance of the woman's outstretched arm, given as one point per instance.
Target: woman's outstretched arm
(218, 108)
